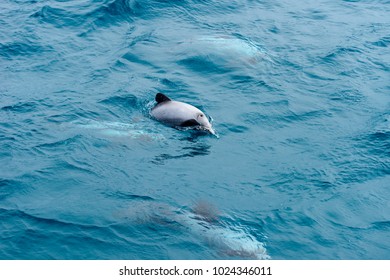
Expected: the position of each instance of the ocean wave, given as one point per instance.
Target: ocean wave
(28, 48)
(99, 14)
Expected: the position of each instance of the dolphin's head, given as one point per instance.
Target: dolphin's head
(202, 119)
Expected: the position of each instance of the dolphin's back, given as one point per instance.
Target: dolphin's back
(174, 112)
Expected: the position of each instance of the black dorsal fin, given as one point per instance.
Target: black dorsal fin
(161, 97)
(191, 122)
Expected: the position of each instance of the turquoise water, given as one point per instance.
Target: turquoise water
(298, 94)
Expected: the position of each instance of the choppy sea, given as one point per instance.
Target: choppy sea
(299, 94)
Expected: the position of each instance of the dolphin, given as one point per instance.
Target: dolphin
(203, 222)
(180, 114)
(119, 129)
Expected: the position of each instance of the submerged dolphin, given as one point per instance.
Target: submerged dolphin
(179, 114)
(118, 130)
(203, 223)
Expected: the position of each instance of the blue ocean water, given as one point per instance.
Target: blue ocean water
(299, 96)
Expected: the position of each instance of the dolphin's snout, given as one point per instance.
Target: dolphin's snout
(211, 130)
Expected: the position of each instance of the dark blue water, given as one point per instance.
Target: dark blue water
(299, 95)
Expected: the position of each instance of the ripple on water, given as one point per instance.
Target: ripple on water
(382, 42)
(28, 48)
(60, 239)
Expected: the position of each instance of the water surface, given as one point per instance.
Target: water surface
(299, 95)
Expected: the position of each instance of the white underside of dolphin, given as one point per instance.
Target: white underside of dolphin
(180, 114)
